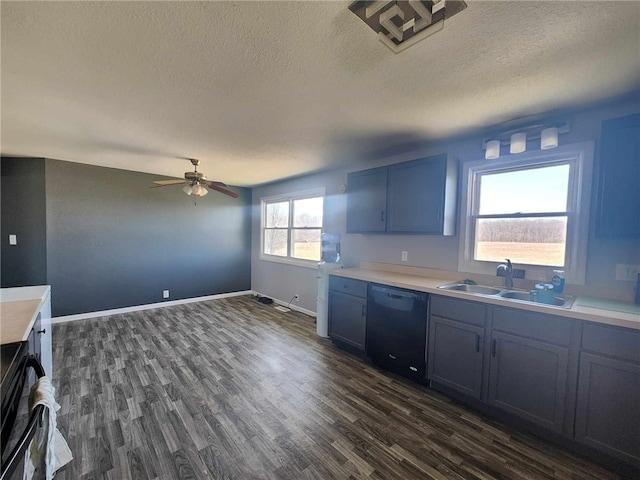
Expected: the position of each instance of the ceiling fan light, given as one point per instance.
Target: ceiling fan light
(187, 189)
(196, 189)
(203, 191)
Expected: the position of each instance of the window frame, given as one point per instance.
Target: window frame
(290, 198)
(580, 159)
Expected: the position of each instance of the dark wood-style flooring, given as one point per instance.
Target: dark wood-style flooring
(233, 389)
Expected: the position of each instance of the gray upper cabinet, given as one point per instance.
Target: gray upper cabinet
(409, 197)
(618, 204)
(367, 201)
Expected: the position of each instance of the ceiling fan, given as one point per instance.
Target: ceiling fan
(196, 183)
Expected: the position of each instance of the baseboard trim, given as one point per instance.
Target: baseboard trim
(148, 306)
(286, 304)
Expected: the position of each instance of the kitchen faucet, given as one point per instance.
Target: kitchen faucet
(508, 273)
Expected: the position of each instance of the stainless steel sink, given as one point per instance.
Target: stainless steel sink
(477, 289)
(564, 301)
(516, 296)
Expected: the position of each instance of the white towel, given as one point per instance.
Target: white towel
(48, 450)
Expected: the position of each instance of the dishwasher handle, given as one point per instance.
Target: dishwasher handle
(398, 293)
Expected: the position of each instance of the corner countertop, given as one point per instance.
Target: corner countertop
(19, 308)
(430, 285)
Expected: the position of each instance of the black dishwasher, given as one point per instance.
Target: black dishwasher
(397, 330)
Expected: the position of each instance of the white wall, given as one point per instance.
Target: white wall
(282, 281)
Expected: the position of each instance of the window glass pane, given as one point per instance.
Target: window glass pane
(307, 212)
(275, 242)
(277, 215)
(532, 241)
(305, 244)
(532, 190)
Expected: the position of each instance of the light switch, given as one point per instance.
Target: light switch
(404, 256)
(13, 240)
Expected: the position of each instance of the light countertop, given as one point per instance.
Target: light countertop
(430, 285)
(19, 308)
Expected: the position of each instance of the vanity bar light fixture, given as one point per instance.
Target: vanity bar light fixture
(517, 138)
(402, 23)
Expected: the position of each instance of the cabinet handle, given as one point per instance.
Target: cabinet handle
(477, 343)
(44, 330)
(382, 216)
(363, 312)
(392, 357)
(494, 347)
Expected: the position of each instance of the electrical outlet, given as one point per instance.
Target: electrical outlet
(627, 273)
(405, 255)
(13, 240)
(165, 294)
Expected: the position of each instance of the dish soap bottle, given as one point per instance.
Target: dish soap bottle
(558, 281)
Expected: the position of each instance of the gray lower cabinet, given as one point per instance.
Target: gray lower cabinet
(456, 344)
(608, 400)
(348, 311)
(529, 378)
(455, 355)
(608, 408)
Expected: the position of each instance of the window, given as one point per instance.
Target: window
(291, 227)
(531, 208)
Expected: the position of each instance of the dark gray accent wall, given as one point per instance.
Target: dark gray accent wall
(23, 214)
(114, 242)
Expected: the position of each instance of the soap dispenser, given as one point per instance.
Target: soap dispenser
(558, 281)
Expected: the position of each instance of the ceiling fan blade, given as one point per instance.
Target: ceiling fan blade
(220, 184)
(217, 188)
(168, 182)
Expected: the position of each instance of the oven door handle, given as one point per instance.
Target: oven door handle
(13, 460)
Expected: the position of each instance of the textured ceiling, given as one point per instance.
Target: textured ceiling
(265, 90)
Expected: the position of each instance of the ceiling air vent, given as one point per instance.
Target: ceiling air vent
(403, 23)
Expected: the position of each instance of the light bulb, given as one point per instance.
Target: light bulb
(549, 138)
(493, 150)
(518, 143)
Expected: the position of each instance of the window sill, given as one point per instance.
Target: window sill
(291, 261)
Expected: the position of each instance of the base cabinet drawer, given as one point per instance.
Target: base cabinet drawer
(347, 319)
(455, 355)
(608, 406)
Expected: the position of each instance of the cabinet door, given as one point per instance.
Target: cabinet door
(529, 378)
(608, 407)
(367, 201)
(619, 178)
(347, 319)
(416, 195)
(455, 355)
